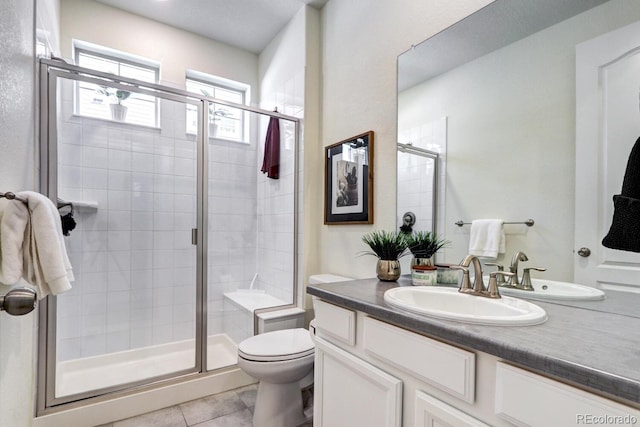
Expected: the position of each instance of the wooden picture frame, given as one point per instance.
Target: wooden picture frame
(348, 181)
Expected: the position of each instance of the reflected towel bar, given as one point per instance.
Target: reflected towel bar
(528, 223)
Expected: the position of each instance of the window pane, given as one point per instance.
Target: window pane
(97, 63)
(228, 95)
(192, 119)
(138, 73)
(103, 101)
(224, 122)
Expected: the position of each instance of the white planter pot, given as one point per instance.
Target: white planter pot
(118, 112)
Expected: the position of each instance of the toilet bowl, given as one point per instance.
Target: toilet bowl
(282, 362)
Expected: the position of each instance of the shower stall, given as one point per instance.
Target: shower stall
(179, 239)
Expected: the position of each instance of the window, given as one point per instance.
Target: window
(224, 122)
(98, 101)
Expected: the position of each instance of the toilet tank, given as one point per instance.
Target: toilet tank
(291, 318)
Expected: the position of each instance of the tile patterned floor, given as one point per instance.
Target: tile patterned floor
(229, 409)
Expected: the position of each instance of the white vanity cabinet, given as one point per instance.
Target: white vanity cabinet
(371, 373)
(349, 391)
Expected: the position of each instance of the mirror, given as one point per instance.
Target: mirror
(496, 94)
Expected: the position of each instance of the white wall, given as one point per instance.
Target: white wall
(511, 145)
(361, 41)
(176, 50)
(17, 172)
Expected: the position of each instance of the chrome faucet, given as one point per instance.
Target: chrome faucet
(478, 288)
(513, 268)
(478, 284)
(526, 278)
(513, 281)
(500, 267)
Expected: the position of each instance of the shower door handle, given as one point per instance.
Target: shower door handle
(18, 301)
(194, 236)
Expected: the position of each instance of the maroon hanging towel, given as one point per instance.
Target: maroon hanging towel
(271, 161)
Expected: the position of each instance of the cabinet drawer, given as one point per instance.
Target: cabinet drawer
(441, 365)
(335, 321)
(528, 399)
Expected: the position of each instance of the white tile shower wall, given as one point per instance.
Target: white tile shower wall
(232, 228)
(276, 207)
(415, 174)
(132, 257)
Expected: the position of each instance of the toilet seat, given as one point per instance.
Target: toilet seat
(286, 344)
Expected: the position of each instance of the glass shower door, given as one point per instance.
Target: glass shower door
(132, 192)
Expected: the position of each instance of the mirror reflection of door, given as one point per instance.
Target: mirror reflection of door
(607, 126)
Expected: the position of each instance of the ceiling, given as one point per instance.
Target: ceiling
(246, 24)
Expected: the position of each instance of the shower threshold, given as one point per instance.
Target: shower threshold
(97, 372)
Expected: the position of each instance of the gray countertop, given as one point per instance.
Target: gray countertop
(595, 349)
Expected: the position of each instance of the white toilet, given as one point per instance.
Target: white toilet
(283, 363)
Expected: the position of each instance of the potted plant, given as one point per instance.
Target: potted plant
(388, 246)
(423, 245)
(118, 110)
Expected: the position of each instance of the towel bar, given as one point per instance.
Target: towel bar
(528, 223)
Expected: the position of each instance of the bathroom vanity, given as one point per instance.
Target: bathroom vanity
(379, 366)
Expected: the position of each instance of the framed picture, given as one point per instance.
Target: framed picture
(348, 177)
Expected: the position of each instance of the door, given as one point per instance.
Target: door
(352, 392)
(130, 194)
(607, 126)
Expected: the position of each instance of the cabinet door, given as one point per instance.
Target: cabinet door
(431, 412)
(351, 392)
(521, 394)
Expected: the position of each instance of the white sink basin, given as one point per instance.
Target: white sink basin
(549, 290)
(447, 303)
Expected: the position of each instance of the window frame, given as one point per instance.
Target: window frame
(218, 82)
(121, 58)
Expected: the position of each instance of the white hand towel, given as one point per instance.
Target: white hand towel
(45, 261)
(487, 238)
(13, 225)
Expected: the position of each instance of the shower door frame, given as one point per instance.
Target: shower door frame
(50, 71)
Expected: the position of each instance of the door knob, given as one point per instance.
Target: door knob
(584, 252)
(18, 301)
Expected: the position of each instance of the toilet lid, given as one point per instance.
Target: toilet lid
(285, 344)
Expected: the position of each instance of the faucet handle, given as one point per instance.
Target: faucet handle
(526, 277)
(500, 278)
(465, 285)
(492, 289)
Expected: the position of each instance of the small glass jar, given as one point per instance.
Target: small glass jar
(424, 275)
